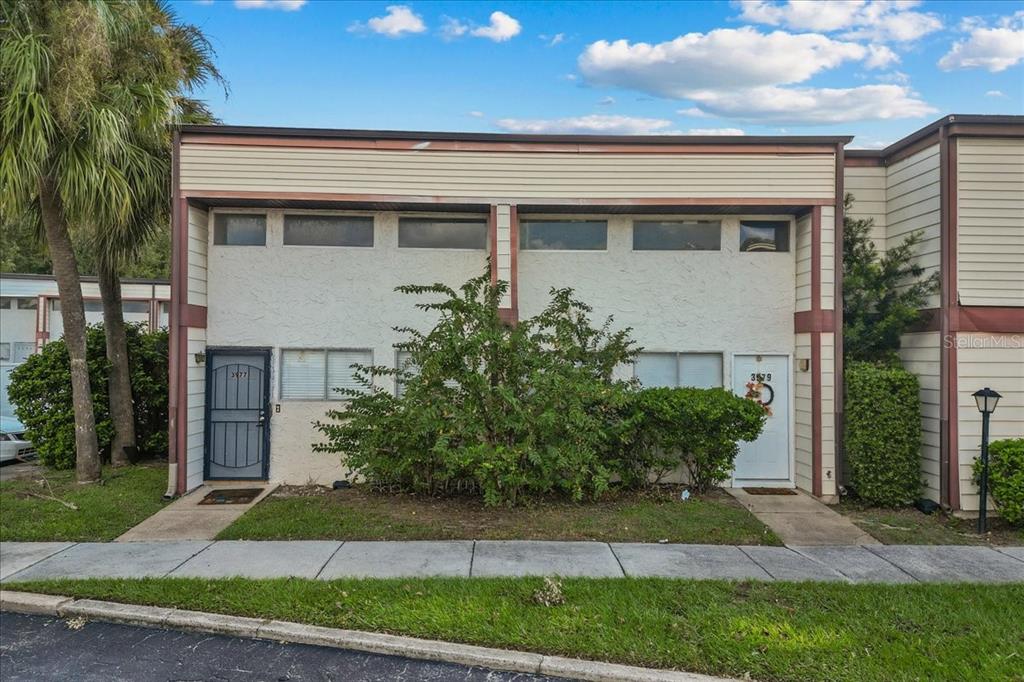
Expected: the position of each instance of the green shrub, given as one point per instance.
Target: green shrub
(699, 428)
(510, 411)
(1005, 477)
(883, 433)
(40, 391)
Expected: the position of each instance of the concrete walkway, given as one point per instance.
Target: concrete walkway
(801, 520)
(186, 519)
(327, 560)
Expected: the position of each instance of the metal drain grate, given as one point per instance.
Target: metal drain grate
(231, 496)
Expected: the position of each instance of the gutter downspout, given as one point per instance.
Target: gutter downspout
(175, 323)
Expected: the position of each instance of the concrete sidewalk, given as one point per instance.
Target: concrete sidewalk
(327, 560)
(799, 519)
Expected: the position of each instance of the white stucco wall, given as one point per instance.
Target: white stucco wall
(284, 297)
(713, 301)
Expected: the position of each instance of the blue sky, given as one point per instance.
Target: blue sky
(877, 70)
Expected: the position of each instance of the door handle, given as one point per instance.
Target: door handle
(262, 418)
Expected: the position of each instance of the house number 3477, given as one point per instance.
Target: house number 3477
(240, 374)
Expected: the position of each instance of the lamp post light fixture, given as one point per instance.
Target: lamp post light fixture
(987, 399)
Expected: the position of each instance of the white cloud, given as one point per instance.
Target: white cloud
(715, 131)
(399, 20)
(453, 28)
(476, 114)
(994, 48)
(606, 101)
(995, 93)
(286, 5)
(879, 57)
(556, 39)
(770, 104)
(740, 74)
(502, 28)
(595, 123)
(897, 77)
(693, 112)
(877, 20)
(723, 58)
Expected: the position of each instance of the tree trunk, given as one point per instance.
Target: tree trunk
(72, 310)
(122, 408)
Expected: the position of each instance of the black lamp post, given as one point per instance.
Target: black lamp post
(987, 399)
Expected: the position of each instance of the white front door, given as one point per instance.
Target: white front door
(767, 458)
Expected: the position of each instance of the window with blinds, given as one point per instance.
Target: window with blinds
(404, 361)
(696, 370)
(316, 374)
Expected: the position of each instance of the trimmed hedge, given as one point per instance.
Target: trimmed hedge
(1005, 477)
(883, 434)
(41, 394)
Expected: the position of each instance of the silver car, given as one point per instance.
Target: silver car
(13, 446)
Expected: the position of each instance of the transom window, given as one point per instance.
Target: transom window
(696, 370)
(317, 373)
(664, 235)
(442, 233)
(764, 235)
(240, 229)
(328, 230)
(564, 235)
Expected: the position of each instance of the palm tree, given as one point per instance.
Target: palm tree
(83, 143)
(166, 62)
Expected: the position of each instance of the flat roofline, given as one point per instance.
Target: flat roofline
(440, 136)
(85, 278)
(934, 127)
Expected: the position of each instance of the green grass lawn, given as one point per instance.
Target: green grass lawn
(911, 527)
(104, 510)
(771, 631)
(316, 513)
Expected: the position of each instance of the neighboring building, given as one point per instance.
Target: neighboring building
(30, 315)
(719, 252)
(961, 182)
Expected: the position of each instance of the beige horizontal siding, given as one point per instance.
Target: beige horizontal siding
(913, 204)
(511, 175)
(867, 185)
(996, 361)
(803, 263)
(990, 221)
(803, 436)
(196, 414)
(828, 257)
(198, 234)
(920, 355)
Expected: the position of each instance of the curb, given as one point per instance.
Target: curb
(369, 642)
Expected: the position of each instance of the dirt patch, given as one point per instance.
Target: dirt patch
(911, 527)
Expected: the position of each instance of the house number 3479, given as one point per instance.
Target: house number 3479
(755, 376)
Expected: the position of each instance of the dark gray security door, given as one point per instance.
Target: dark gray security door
(237, 390)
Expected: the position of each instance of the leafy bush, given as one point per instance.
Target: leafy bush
(515, 411)
(883, 433)
(701, 428)
(509, 410)
(41, 394)
(1005, 477)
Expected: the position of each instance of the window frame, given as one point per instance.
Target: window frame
(789, 221)
(675, 219)
(678, 354)
(211, 225)
(563, 218)
(445, 216)
(332, 214)
(327, 393)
